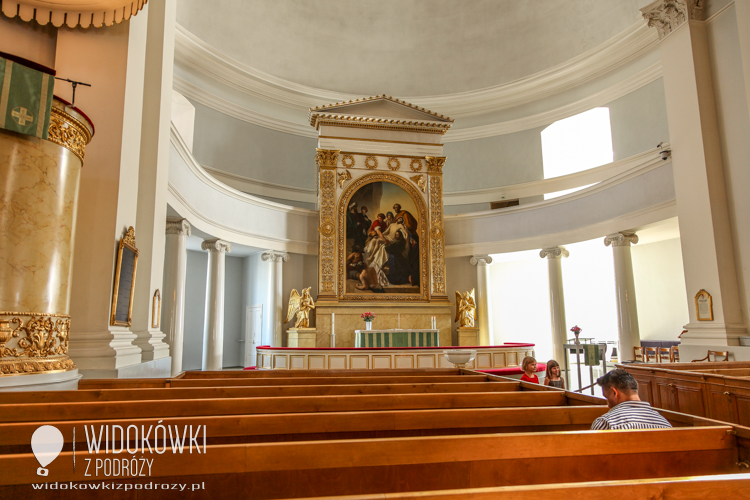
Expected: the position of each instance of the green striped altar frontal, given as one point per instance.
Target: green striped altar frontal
(26, 99)
(377, 338)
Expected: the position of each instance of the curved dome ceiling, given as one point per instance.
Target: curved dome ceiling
(405, 47)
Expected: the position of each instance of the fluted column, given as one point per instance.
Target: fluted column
(272, 333)
(559, 326)
(173, 306)
(484, 302)
(627, 311)
(213, 329)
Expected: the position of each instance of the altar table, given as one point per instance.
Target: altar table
(397, 338)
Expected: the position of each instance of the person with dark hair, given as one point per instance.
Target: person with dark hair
(627, 410)
(553, 378)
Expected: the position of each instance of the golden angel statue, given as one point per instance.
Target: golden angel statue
(466, 307)
(300, 305)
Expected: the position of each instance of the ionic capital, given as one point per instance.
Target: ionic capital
(621, 239)
(178, 225)
(668, 15)
(327, 157)
(216, 245)
(480, 260)
(554, 253)
(274, 256)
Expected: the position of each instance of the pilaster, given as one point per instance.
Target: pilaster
(705, 231)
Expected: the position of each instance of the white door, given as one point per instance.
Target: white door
(253, 332)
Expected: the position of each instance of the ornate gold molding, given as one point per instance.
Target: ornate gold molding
(394, 163)
(327, 230)
(435, 164)
(66, 131)
(343, 202)
(326, 157)
(343, 177)
(416, 165)
(37, 343)
(420, 181)
(395, 128)
(371, 162)
(437, 238)
(348, 161)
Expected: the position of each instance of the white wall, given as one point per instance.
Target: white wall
(660, 289)
(195, 310)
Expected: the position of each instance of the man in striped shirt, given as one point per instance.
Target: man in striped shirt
(627, 410)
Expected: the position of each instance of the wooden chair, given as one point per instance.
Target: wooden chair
(675, 353)
(649, 354)
(663, 355)
(716, 355)
(638, 353)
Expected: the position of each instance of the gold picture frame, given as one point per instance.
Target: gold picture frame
(127, 263)
(704, 306)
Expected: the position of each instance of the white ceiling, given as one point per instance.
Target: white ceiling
(405, 47)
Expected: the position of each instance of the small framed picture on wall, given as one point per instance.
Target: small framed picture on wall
(704, 307)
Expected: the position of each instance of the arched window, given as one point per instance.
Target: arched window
(577, 143)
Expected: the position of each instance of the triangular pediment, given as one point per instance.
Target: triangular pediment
(379, 108)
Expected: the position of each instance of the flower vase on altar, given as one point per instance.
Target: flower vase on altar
(368, 325)
(368, 317)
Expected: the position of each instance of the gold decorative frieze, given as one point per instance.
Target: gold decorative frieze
(435, 163)
(34, 342)
(394, 163)
(343, 177)
(347, 161)
(420, 181)
(416, 164)
(327, 157)
(68, 132)
(371, 162)
(437, 240)
(327, 230)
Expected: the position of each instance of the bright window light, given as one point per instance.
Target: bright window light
(575, 144)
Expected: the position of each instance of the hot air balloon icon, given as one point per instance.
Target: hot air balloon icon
(46, 443)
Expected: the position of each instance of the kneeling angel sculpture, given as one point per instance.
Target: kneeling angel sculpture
(301, 306)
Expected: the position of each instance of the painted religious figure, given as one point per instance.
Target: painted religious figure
(382, 253)
(301, 306)
(466, 307)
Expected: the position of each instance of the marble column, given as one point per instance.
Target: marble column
(698, 170)
(173, 306)
(272, 333)
(38, 203)
(558, 322)
(213, 323)
(627, 310)
(484, 301)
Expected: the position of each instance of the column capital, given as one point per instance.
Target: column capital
(327, 157)
(554, 253)
(178, 225)
(668, 15)
(216, 245)
(480, 260)
(435, 164)
(274, 256)
(622, 239)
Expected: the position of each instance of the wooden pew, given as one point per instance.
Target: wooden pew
(684, 488)
(433, 372)
(357, 467)
(246, 391)
(408, 379)
(297, 404)
(224, 429)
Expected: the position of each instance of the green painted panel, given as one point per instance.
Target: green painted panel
(400, 339)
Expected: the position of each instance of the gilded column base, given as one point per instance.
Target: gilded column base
(34, 343)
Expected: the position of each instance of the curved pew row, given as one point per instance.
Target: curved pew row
(225, 429)
(684, 488)
(82, 395)
(433, 372)
(295, 404)
(357, 467)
